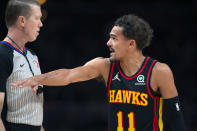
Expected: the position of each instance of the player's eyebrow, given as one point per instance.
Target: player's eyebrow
(113, 35)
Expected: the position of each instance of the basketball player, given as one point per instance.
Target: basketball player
(22, 110)
(141, 92)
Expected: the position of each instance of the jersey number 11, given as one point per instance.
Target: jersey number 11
(131, 121)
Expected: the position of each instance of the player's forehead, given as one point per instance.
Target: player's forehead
(116, 31)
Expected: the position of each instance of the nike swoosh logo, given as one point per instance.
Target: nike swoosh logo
(22, 65)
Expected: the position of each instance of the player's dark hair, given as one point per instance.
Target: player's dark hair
(135, 28)
(16, 8)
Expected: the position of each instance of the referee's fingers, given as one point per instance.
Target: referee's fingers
(17, 83)
(35, 88)
(25, 83)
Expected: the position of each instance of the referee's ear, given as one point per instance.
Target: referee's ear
(20, 23)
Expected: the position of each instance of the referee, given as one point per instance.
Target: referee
(21, 109)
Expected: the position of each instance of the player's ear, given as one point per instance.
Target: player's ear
(132, 43)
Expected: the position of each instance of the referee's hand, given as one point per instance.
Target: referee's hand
(29, 82)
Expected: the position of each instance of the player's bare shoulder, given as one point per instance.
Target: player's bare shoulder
(102, 65)
(104, 62)
(162, 75)
(105, 68)
(162, 69)
(99, 62)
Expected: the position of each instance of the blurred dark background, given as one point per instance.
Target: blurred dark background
(76, 31)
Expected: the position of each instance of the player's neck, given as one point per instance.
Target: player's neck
(132, 63)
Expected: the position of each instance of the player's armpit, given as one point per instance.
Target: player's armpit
(164, 80)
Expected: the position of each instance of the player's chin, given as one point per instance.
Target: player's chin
(113, 58)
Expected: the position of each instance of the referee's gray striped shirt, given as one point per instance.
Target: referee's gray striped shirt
(23, 105)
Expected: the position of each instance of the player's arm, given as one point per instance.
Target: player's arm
(92, 69)
(164, 80)
(173, 118)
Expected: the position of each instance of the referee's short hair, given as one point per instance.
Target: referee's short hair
(16, 8)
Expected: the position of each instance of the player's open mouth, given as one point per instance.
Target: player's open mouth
(111, 50)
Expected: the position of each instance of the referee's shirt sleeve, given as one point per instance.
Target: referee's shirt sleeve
(6, 65)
